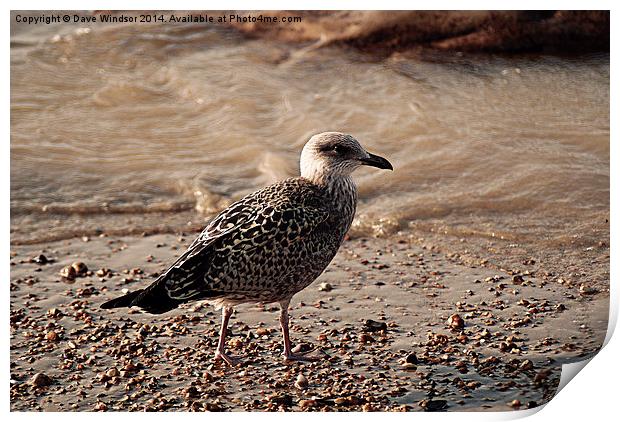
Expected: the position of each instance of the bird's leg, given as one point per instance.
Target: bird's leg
(220, 352)
(288, 355)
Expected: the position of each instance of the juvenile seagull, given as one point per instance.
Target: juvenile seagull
(269, 245)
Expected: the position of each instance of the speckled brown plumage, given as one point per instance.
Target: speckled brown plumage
(272, 243)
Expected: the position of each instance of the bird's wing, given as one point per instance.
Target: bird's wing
(244, 226)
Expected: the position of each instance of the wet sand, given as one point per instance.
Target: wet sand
(519, 317)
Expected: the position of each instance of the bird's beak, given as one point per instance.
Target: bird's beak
(376, 161)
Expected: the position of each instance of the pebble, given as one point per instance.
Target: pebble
(373, 326)
(456, 322)
(325, 287)
(80, 268)
(40, 380)
(586, 290)
(508, 346)
(412, 359)
(68, 272)
(262, 332)
(53, 312)
(365, 338)
(304, 404)
(103, 272)
(434, 405)
(51, 336)
(517, 279)
(368, 407)
(526, 365)
(301, 382)
(113, 372)
(41, 260)
(301, 348)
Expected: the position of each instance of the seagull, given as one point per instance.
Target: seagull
(269, 245)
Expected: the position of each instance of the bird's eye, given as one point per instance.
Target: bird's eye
(339, 149)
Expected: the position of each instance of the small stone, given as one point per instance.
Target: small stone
(40, 380)
(586, 290)
(507, 346)
(304, 404)
(68, 272)
(103, 272)
(325, 287)
(412, 358)
(434, 405)
(560, 307)
(517, 279)
(526, 365)
(235, 343)
(301, 382)
(515, 403)
(51, 336)
(368, 407)
(456, 322)
(111, 373)
(262, 332)
(373, 326)
(100, 407)
(53, 312)
(365, 338)
(41, 260)
(80, 268)
(301, 348)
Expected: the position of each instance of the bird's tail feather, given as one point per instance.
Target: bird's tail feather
(124, 301)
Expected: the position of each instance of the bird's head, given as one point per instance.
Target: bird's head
(336, 154)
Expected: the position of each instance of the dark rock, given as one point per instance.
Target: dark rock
(41, 260)
(373, 326)
(434, 405)
(412, 358)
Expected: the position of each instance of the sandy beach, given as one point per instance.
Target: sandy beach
(382, 315)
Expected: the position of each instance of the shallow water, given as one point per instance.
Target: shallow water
(131, 128)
